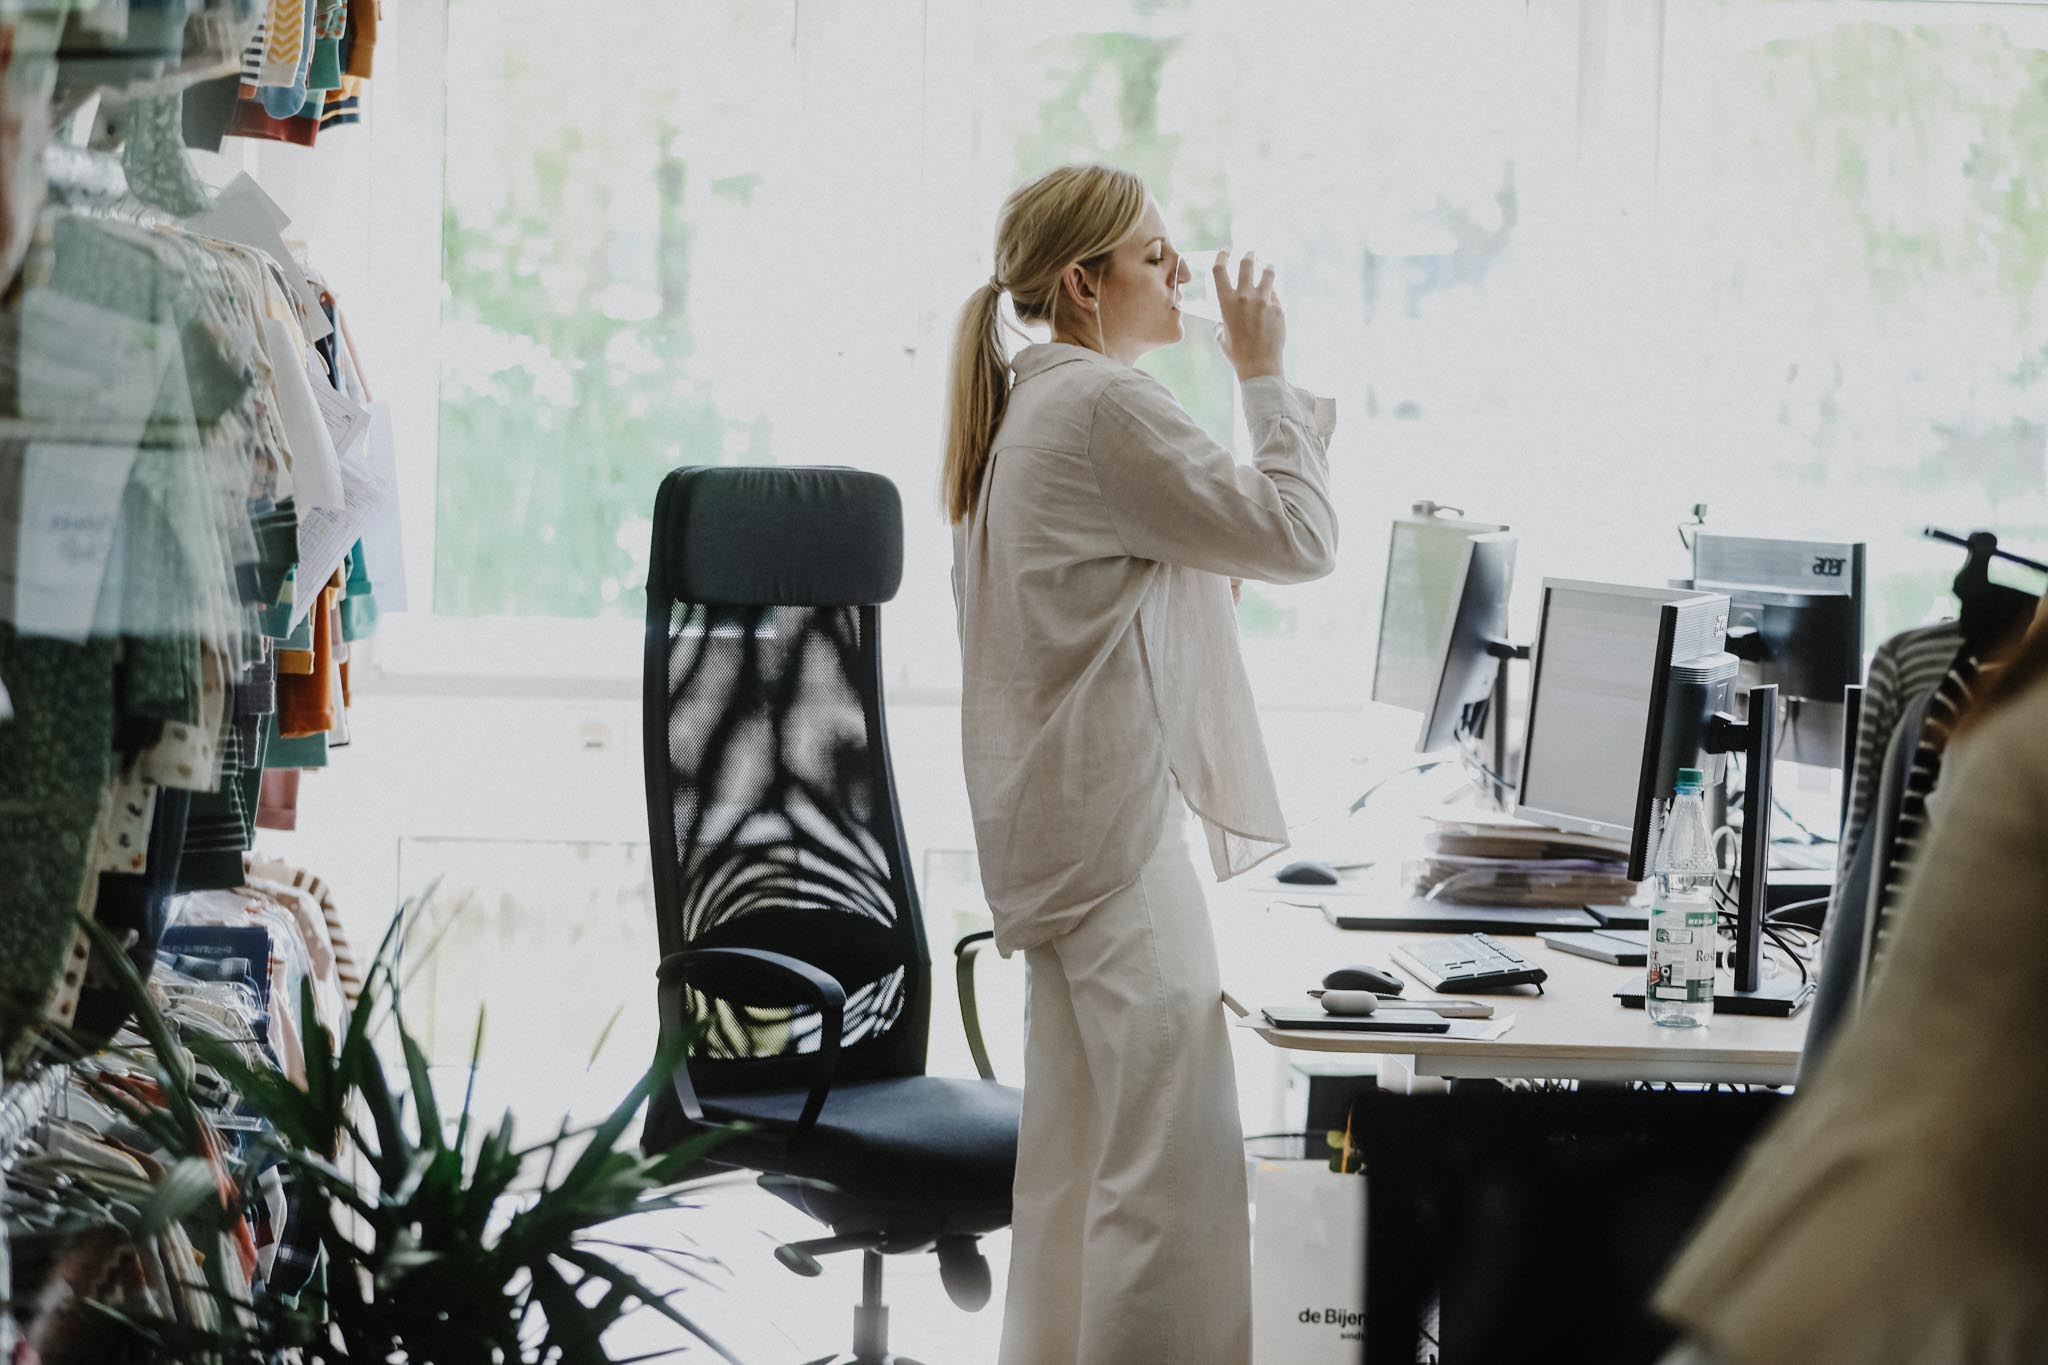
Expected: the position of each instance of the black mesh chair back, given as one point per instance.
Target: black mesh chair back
(772, 808)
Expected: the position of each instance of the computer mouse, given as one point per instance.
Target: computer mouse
(1363, 979)
(1349, 1002)
(1307, 874)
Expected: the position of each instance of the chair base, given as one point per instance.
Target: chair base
(871, 1316)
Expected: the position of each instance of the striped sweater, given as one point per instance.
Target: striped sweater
(1952, 697)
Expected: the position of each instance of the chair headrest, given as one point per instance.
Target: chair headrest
(804, 536)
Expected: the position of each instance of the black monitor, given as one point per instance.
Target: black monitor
(1795, 619)
(1444, 607)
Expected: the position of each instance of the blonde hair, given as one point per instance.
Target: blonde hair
(1074, 214)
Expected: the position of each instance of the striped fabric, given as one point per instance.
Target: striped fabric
(346, 968)
(1952, 697)
(252, 55)
(343, 110)
(1905, 666)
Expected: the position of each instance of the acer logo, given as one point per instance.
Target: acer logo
(1827, 566)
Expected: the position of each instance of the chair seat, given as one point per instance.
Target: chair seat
(907, 1141)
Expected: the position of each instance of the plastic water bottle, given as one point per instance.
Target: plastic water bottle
(1680, 993)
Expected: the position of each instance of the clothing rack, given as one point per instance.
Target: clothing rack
(1964, 542)
(1991, 613)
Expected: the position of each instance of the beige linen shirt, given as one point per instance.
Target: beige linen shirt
(1899, 1211)
(1098, 638)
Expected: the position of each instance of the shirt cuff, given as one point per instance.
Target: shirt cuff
(1270, 396)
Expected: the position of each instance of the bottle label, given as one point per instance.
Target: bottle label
(1681, 969)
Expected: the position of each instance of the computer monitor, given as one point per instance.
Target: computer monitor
(1603, 655)
(1795, 619)
(1444, 602)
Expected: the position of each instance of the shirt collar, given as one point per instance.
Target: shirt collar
(1041, 356)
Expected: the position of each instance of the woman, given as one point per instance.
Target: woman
(1900, 1211)
(1096, 531)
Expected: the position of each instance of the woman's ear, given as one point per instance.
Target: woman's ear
(1074, 282)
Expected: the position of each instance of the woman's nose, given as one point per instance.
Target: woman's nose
(1182, 275)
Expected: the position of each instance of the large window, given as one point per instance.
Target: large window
(1855, 199)
(1571, 266)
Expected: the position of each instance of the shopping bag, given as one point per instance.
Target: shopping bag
(1308, 1263)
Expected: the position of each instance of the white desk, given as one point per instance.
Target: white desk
(1575, 1030)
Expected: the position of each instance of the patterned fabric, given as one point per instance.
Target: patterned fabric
(342, 110)
(1904, 666)
(57, 754)
(1951, 698)
(154, 157)
(284, 36)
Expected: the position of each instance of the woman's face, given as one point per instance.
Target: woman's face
(1139, 294)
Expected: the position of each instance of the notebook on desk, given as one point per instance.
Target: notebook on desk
(1438, 917)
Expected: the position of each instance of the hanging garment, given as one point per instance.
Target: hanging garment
(1894, 1213)
(1950, 699)
(58, 754)
(1906, 665)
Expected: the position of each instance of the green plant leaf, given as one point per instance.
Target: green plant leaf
(476, 1053)
(598, 1267)
(428, 1111)
(189, 1184)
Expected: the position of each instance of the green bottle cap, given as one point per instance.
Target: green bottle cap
(1691, 777)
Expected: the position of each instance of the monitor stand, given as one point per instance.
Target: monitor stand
(1779, 997)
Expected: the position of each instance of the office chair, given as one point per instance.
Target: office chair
(790, 932)
(1537, 1225)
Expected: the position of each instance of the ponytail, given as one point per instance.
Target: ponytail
(1074, 214)
(974, 407)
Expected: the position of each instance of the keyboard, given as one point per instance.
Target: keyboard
(1467, 962)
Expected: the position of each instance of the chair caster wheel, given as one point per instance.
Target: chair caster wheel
(801, 1261)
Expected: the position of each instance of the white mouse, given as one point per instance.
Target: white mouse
(1349, 1002)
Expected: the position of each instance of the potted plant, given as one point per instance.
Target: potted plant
(453, 1245)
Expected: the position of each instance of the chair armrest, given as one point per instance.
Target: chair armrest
(964, 953)
(753, 976)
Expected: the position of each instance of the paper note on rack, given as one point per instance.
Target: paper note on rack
(383, 538)
(316, 470)
(70, 514)
(326, 533)
(243, 213)
(347, 420)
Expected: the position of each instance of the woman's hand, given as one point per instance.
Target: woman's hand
(1254, 330)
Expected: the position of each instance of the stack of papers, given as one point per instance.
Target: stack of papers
(1475, 857)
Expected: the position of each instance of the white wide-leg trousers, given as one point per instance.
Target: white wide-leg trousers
(1131, 1237)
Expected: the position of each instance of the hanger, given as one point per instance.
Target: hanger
(1991, 612)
